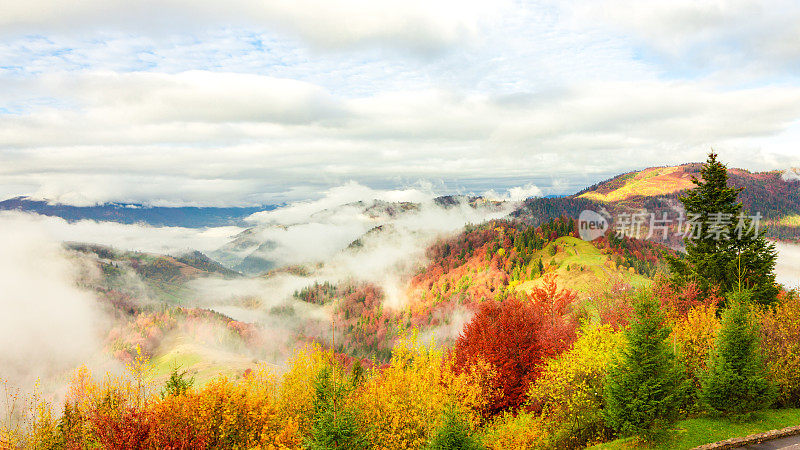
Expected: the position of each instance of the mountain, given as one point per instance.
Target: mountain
(130, 213)
(773, 194)
(267, 246)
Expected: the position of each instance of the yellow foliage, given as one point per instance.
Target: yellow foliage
(296, 392)
(520, 432)
(403, 404)
(781, 334)
(694, 337)
(570, 388)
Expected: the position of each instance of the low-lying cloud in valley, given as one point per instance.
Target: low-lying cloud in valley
(47, 324)
(787, 270)
(352, 233)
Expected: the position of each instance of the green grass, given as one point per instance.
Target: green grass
(690, 433)
(201, 361)
(589, 268)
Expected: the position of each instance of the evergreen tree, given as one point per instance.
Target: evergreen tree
(736, 381)
(334, 423)
(177, 384)
(723, 249)
(454, 433)
(644, 386)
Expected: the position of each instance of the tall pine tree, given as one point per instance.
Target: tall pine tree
(724, 251)
(644, 387)
(736, 381)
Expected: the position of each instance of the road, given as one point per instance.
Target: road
(788, 443)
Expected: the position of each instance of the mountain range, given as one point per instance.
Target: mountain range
(130, 213)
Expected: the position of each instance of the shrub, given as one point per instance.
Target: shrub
(508, 431)
(570, 389)
(780, 327)
(402, 405)
(694, 337)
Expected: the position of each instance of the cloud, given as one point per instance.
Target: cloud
(515, 194)
(791, 174)
(392, 237)
(410, 25)
(757, 37)
(787, 269)
(221, 138)
(350, 192)
(236, 112)
(122, 236)
(48, 325)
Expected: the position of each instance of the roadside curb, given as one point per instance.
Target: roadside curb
(752, 439)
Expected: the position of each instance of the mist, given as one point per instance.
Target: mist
(787, 269)
(143, 238)
(47, 325)
(351, 234)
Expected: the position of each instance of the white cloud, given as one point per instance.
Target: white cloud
(126, 237)
(312, 231)
(787, 269)
(414, 25)
(217, 138)
(222, 110)
(515, 194)
(759, 37)
(47, 325)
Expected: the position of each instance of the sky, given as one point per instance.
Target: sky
(250, 102)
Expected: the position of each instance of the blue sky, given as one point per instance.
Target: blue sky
(178, 102)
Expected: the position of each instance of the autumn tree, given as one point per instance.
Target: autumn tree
(726, 249)
(780, 327)
(644, 386)
(570, 389)
(515, 336)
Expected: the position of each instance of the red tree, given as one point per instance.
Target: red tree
(515, 336)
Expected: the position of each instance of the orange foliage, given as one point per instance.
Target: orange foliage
(515, 337)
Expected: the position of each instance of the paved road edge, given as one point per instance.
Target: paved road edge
(752, 439)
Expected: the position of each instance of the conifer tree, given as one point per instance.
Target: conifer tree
(335, 424)
(454, 433)
(724, 250)
(735, 381)
(644, 386)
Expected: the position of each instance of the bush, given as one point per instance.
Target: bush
(515, 432)
(402, 405)
(570, 389)
(781, 328)
(694, 337)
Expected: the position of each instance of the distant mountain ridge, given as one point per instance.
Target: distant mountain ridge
(774, 194)
(128, 213)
